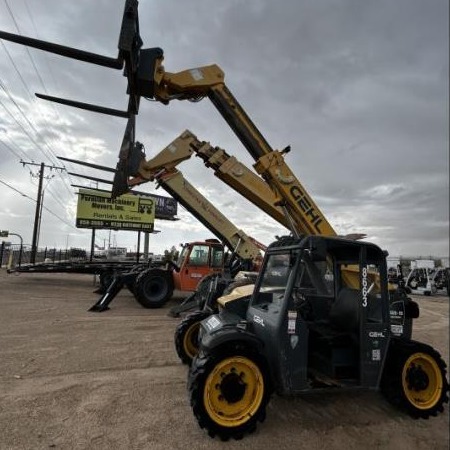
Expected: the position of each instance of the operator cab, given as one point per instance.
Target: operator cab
(322, 313)
(196, 260)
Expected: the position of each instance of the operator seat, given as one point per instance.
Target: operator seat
(345, 311)
(334, 345)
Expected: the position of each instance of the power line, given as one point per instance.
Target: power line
(34, 200)
(26, 48)
(17, 190)
(37, 217)
(23, 129)
(46, 61)
(5, 89)
(55, 198)
(10, 149)
(49, 156)
(16, 69)
(42, 82)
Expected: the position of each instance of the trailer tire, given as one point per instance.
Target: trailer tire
(153, 287)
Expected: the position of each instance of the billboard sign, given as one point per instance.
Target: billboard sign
(165, 207)
(96, 209)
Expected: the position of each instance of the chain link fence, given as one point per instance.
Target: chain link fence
(16, 255)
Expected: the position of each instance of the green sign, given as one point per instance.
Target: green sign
(4, 233)
(96, 209)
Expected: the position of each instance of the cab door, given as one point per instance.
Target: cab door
(374, 325)
(202, 260)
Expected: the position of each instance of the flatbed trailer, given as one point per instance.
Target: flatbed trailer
(113, 275)
(106, 270)
(89, 267)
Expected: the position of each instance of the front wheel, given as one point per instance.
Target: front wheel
(186, 336)
(229, 393)
(415, 380)
(153, 287)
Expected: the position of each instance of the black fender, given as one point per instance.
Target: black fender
(412, 310)
(231, 337)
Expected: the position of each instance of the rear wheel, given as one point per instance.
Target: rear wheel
(229, 393)
(153, 287)
(186, 336)
(415, 379)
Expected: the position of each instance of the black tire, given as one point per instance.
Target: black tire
(153, 287)
(186, 336)
(414, 379)
(238, 380)
(131, 285)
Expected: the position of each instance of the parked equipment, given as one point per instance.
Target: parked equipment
(307, 329)
(420, 277)
(154, 287)
(327, 320)
(441, 280)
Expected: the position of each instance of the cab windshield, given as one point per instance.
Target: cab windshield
(275, 276)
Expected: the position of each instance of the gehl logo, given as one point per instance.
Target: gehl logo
(302, 200)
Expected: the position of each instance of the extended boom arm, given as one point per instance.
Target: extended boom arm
(148, 78)
(227, 168)
(236, 240)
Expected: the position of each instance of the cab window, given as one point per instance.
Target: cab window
(199, 255)
(216, 257)
(316, 278)
(275, 275)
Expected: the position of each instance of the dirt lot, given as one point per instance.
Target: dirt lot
(70, 379)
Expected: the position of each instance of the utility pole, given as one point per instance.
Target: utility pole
(38, 204)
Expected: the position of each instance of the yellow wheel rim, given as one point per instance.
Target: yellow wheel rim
(190, 340)
(422, 381)
(233, 391)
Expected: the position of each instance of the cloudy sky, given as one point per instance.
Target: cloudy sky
(358, 89)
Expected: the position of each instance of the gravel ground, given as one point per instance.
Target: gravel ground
(70, 379)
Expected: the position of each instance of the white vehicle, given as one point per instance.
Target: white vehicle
(440, 278)
(420, 278)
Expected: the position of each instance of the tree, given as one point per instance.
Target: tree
(171, 255)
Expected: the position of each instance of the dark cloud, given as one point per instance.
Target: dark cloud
(358, 89)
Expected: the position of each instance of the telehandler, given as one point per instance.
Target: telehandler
(315, 324)
(154, 286)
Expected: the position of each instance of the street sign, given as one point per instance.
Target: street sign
(4, 233)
